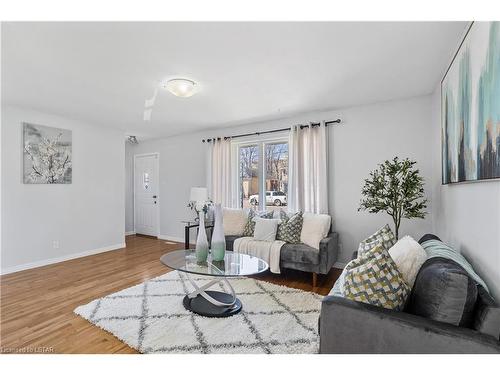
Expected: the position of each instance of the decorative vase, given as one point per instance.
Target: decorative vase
(201, 242)
(218, 240)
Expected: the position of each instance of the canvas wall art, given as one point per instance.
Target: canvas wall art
(470, 108)
(47, 155)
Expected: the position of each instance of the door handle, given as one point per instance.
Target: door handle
(154, 196)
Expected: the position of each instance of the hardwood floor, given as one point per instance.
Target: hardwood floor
(37, 305)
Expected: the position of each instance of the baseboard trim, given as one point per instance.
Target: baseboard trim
(174, 239)
(130, 233)
(47, 262)
(339, 265)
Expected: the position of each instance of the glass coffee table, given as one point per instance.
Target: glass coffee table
(210, 302)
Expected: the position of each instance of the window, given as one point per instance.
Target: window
(276, 171)
(145, 180)
(249, 175)
(263, 173)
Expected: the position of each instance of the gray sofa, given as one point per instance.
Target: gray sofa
(353, 327)
(347, 326)
(305, 258)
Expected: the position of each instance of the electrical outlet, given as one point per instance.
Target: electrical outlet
(55, 244)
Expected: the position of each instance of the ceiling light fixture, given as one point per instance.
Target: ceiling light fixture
(181, 87)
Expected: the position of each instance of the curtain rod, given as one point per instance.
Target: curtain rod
(312, 124)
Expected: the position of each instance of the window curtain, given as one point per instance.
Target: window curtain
(308, 169)
(220, 182)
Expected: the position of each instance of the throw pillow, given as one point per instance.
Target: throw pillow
(250, 224)
(265, 229)
(374, 278)
(444, 291)
(290, 227)
(315, 227)
(428, 237)
(384, 235)
(409, 257)
(234, 220)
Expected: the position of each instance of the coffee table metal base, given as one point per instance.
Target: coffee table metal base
(209, 302)
(202, 306)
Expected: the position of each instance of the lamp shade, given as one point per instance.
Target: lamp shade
(199, 194)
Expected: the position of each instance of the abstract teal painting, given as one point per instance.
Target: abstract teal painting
(470, 107)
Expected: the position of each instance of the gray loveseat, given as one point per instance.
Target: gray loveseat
(348, 326)
(305, 258)
(353, 327)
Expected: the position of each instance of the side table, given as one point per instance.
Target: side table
(188, 224)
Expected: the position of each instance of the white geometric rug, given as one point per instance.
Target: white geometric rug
(150, 317)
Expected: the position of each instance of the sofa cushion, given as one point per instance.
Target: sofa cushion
(234, 220)
(315, 227)
(230, 242)
(290, 228)
(375, 279)
(487, 314)
(444, 291)
(427, 237)
(409, 256)
(438, 249)
(265, 229)
(299, 253)
(250, 224)
(384, 236)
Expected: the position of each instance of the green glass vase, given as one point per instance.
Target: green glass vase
(218, 248)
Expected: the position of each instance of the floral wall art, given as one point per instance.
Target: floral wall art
(47, 155)
(470, 107)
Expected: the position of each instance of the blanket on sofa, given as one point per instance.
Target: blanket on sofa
(267, 250)
(438, 249)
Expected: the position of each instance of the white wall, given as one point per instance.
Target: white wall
(467, 215)
(367, 136)
(85, 216)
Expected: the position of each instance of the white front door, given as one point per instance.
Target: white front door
(146, 194)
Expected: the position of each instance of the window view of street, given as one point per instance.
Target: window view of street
(249, 174)
(275, 171)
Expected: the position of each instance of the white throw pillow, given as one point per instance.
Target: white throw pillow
(409, 256)
(265, 229)
(314, 228)
(234, 220)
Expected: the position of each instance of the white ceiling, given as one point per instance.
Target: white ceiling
(103, 72)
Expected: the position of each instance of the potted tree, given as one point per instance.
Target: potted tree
(396, 188)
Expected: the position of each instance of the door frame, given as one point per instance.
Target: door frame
(158, 199)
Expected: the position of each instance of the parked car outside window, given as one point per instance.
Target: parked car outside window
(276, 198)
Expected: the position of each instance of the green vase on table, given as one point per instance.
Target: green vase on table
(201, 249)
(218, 248)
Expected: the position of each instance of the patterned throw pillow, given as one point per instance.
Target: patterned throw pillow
(383, 236)
(250, 225)
(375, 279)
(290, 228)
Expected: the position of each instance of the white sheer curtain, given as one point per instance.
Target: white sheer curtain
(308, 169)
(220, 172)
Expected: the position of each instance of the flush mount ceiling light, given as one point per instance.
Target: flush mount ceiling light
(181, 87)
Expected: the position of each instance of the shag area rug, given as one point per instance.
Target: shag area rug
(150, 317)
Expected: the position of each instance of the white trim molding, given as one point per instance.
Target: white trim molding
(175, 239)
(46, 262)
(132, 232)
